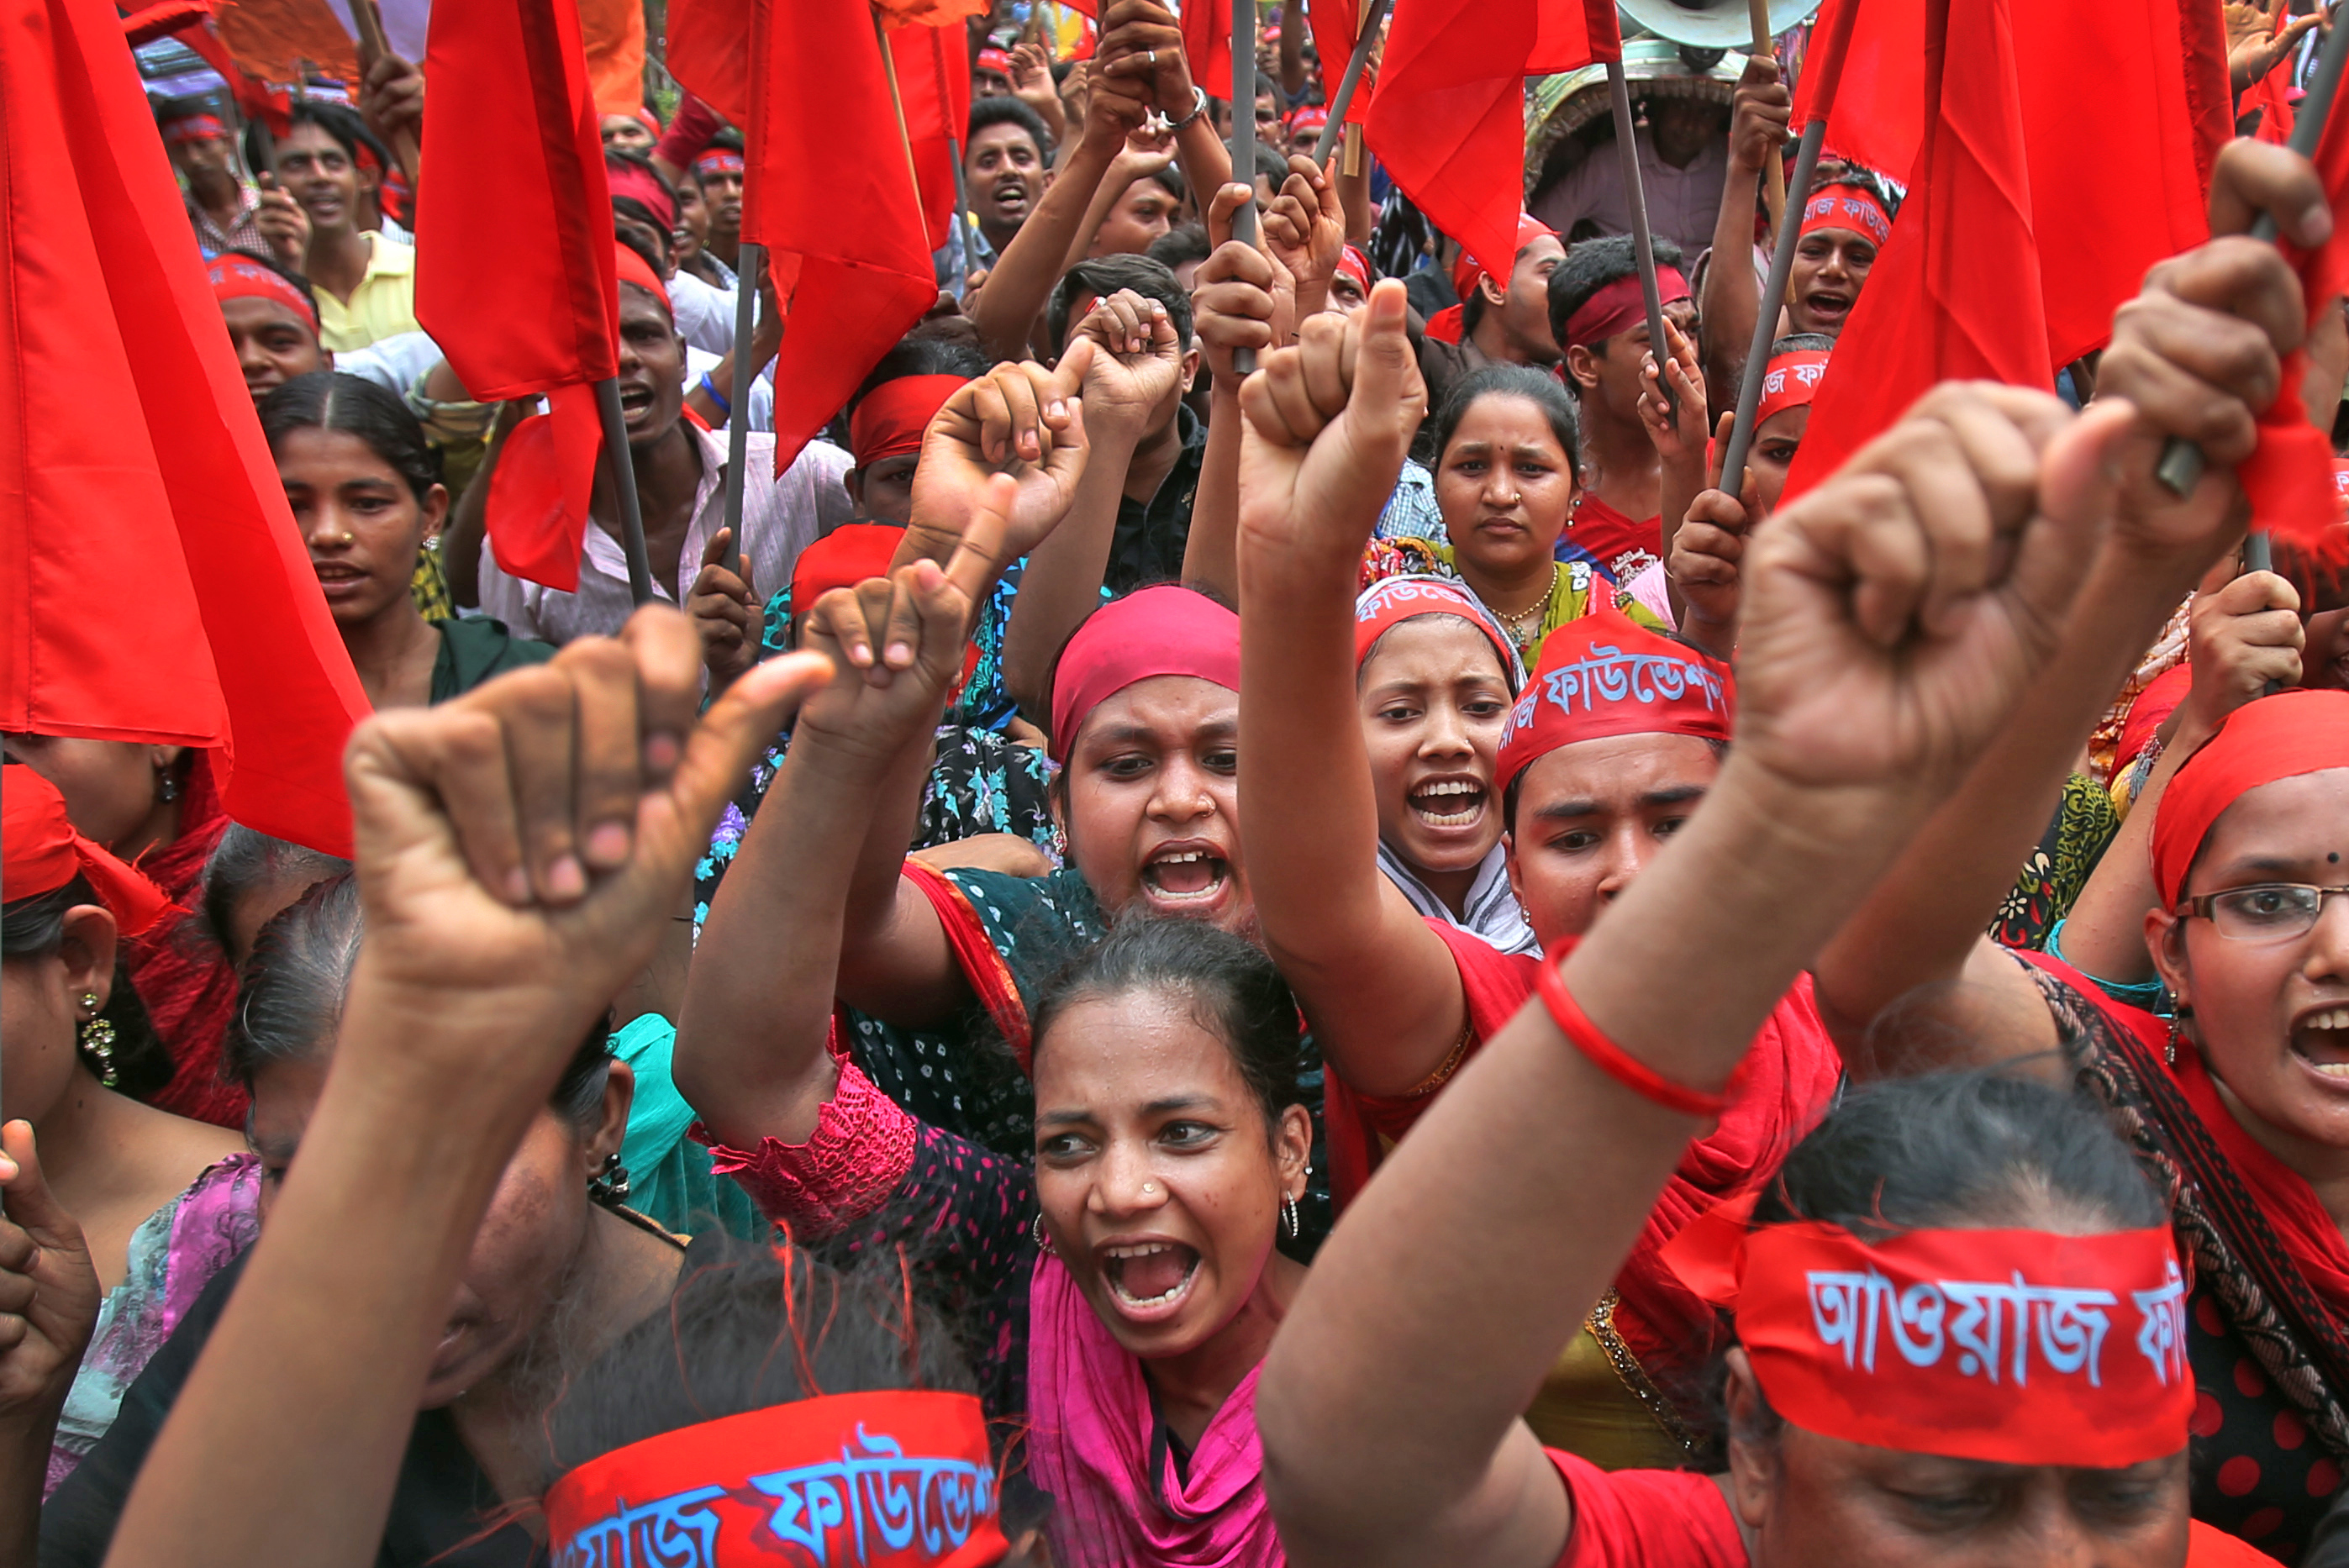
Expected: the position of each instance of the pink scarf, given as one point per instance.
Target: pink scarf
(1090, 1447)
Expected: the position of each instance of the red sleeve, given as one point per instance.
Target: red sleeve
(2210, 1548)
(982, 965)
(857, 1157)
(1646, 1518)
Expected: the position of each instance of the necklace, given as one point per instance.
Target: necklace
(1519, 632)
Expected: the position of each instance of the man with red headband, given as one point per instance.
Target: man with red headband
(1502, 318)
(680, 472)
(226, 213)
(1844, 226)
(272, 318)
(1598, 311)
(719, 171)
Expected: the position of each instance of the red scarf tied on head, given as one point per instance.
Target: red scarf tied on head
(842, 559)
(1790, 381)
(890, 420)
(190, 128)
(40, 852)
(1607, 674)
(639, 185)
(1621, 306)
(1389, 602)
(1450, 323)
(632, 269)
(719, 160)
(1849, 207)
(1353, 263)
(1161, 630)
(2272, 738)
(234, 277)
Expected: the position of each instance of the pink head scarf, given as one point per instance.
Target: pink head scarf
(1161, 630)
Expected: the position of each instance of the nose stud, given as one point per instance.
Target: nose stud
(1149, 1188)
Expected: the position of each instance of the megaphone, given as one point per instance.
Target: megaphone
(1710, 24)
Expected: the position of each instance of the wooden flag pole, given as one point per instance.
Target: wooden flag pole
(2181, 464)
(1775, 170)
(374, 46)
(954, 152)
(1353, 78)
(1643, 255)
(1243, 142)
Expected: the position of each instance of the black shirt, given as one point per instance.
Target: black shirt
(1149, 539)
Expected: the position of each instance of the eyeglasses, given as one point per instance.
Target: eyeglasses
(2264, 911)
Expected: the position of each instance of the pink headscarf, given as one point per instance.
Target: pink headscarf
(1161, 630)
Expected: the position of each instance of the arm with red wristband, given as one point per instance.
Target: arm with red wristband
(1895, 616)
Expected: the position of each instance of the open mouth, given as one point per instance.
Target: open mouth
(1149, 1278)
(2320, 1039)
(1449, 802)
(1178, 872)
(1828, 306)
(635, 397)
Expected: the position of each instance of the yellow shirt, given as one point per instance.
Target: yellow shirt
(382, 306)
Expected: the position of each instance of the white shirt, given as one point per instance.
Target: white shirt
(1682, 203)
(780, 517)
(704, 313)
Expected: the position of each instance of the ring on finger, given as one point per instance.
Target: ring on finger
(1152, 57)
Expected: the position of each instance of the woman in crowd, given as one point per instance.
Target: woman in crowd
(366, 491)
(161, 1203)
(1120, 1293)
(2231, 1101)
(1505, 484)
(1876, 670)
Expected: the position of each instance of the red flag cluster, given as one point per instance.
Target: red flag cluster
(132, 447)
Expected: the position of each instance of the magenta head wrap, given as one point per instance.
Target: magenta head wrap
(1161, 630)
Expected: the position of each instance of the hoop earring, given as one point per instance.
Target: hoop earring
(609, 1186)
(1036, 1230)
(1288, 1219)
(96, 1039)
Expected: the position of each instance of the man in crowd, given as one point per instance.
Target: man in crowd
(719, 171)
(365, 280)
(1004, 171)
(1500, 320)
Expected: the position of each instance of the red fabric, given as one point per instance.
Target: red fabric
(540, 490)
(192, 128)
(2151, 709)
(2289, 478)
(234, 277)
(2207, 1547)
(980, 961)
(40, 852)
(2271, 96)
(1957, 293)
(2015, 1346)
(130, 443)
(1621, 306)
(629, 268)
(1790, 381)
(1448, 324)
(696, 121)
(1389, 604)
(142, 27)
(1610, 536)
(639, 185)
(187, 985)
(924, 1452)
(1468, 271)
(1449, 118)
(934, 80)
(2272, 738)
(254, 98)
(845, 237)
(1161, 631)
(1646, 1518)
(1336, 26)
(891, 419)
(1208, 45)
(1851, 207)
(842, 559)
(1356, 265)
(1575, 34)
(1606, 675)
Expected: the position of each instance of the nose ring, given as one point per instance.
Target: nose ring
(1149, 1188)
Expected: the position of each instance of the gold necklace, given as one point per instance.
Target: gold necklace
(1519, 633)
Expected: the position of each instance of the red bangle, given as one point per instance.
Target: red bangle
(1611, 1060)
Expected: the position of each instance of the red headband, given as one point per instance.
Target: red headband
(1355, 265)
(890, 419)
(2012, 1346)
(895, 1479)
(630, 268)
(1466, 271)
(625, 179)
(1621, 304)
(1385, 605)
(193, 127)
(1850, 207)
(234, 277)
(1161, 630)
(994, 60)
(1791, 381)
(719, 160)
(1606, 675)
(2272, 738)
(842, 559)
(40, 852)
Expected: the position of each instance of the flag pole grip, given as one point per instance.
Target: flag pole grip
(1765, 320)
(1344, 101)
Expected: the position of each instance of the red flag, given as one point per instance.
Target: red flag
(1876, 103)
(1957, 291)
(518, 320)
(131, 444)
(934, 81)
(1336, 25)
(1208, 45)
(1575, 34)
(1449, 118)
(844, 237)
(708, 53)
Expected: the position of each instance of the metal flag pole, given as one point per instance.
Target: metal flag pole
(1243, 142)
(623, 469)
(1643, 255)
(749, 263)
(1335, 128)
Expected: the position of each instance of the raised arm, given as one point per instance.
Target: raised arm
(1141, 50)
(2194, 356)
(1759, 114)
(1328, 424)
(773, 1081)
(1236, 302)
(1024, 275)
(1886, 638)
(518, 849)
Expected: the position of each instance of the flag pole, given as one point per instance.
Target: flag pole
(1335, 125)
(2181, 464)
(1243, 142)
(1775, 167)
(749, 262)
(1827, 61)
(623, 469)
(1643, 255)
(954, 151)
